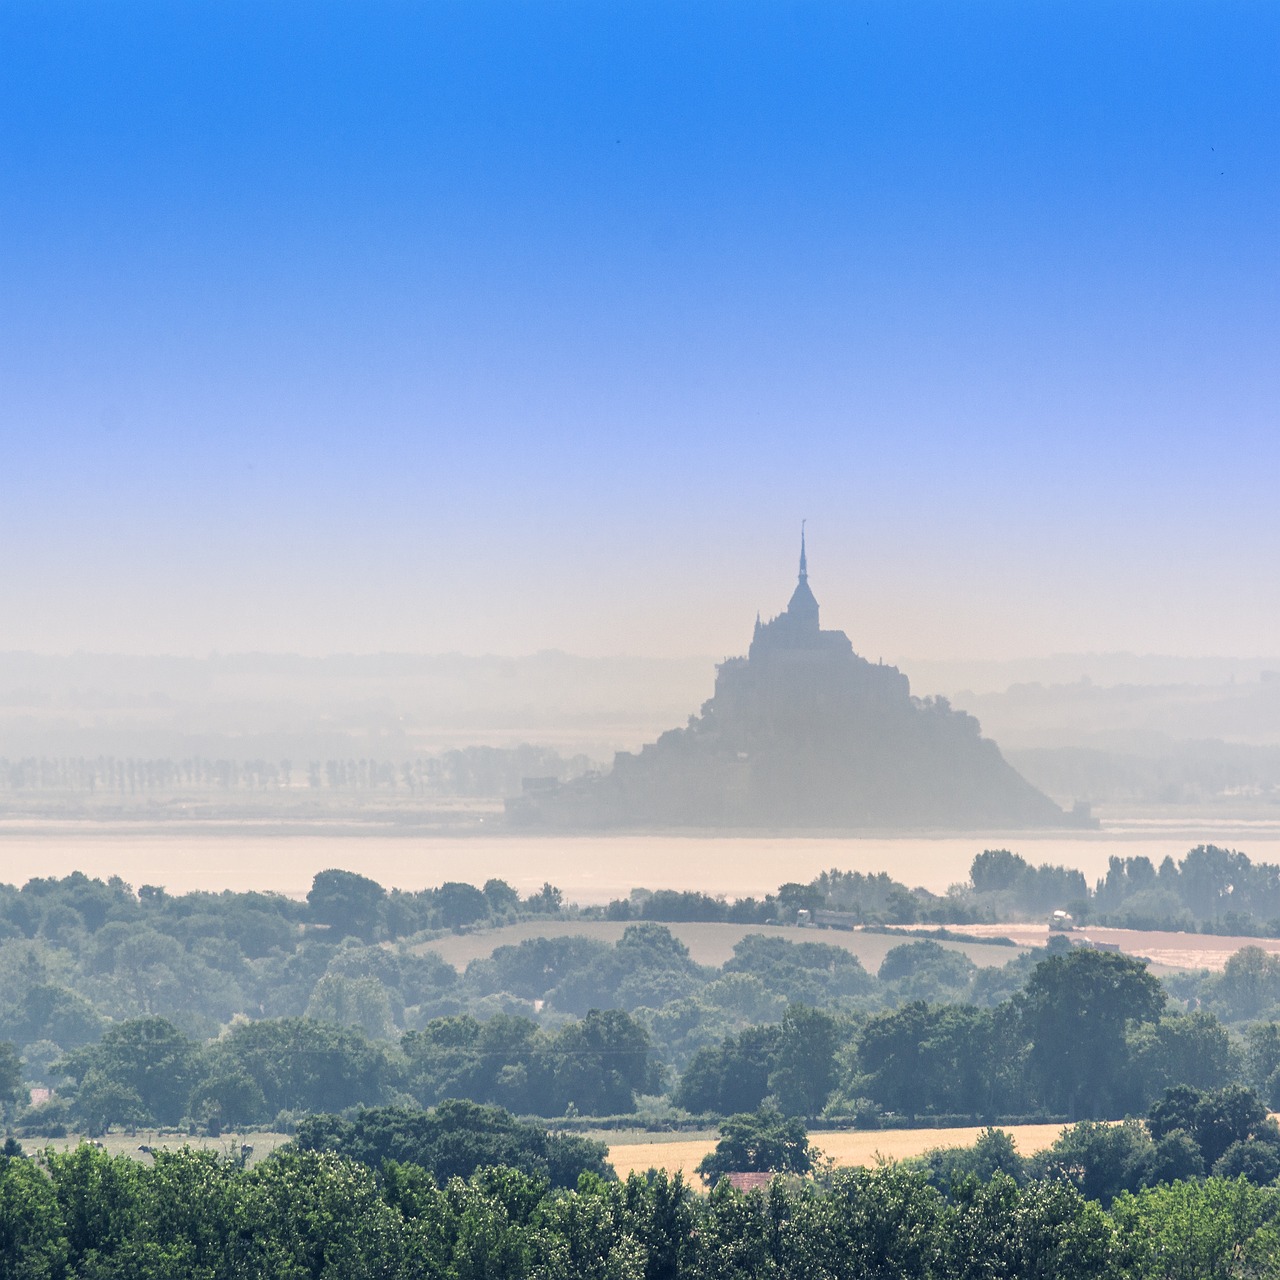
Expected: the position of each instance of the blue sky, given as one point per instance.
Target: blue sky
(496, 327)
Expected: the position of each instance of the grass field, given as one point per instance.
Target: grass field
(681, 1153)
(710, 944)
(262, 1142)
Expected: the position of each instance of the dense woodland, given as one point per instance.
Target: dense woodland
(317, 1214)
(404, 1082)
(207, 1012)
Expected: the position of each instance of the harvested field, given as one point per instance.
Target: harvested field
(681, 1153)
(710, 944)
(1164, 949)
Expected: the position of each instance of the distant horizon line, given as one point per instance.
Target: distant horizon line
(526, 655)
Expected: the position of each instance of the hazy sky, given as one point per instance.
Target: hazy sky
(495, 327)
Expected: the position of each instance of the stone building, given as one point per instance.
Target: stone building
(804, 733)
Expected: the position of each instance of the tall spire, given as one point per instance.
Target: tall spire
(803, 608)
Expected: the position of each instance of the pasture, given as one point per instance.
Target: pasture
(121, 1143)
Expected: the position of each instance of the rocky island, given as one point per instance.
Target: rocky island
(804, 733)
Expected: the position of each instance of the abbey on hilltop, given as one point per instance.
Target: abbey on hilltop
(804, 733)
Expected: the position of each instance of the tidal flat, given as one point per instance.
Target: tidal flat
(588, 869)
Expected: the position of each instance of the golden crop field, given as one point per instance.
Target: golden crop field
(846, 1148)
(633, 1151)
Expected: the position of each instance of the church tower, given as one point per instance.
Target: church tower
(803, 607)
(796, 630)
(804, 733)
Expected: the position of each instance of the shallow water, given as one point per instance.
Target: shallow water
(589, 869)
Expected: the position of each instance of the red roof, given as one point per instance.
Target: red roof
(750, 1181)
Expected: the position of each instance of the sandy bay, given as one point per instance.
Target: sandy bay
(588, 868)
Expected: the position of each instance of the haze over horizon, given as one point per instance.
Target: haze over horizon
(494, 329)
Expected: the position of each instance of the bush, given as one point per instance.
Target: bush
(454, 1140)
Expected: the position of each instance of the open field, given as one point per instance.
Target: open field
(117, 1143)
(1163, 949)
(708, 943)
(846, 1148)
(635, 1150)
(713, 944)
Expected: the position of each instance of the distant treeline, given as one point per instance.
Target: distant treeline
(1087, 1034)
(1210, 890)
(475, 772)
(145, 1072)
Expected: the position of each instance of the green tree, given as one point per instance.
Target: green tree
(948, 1059)
(926, 969)
(733, 1076)
(503, 900)
(33, 1240)
(884, 1224)
(1048, 1231)
(601, 1063)
(1249, 985)
(103, 1100)
(228, 1099)
(101, 1203)
(11, 1090)
(997, 871)
(1192, 1049)
(454, 1140)
(1262, 1061)
(48, 1011)
(1213, 1230)
(1215, 1118)
(805, 1070)
(144, 1063)
(763, 1141)
(353, 1002)
(1174, 1157)
(1075, 1010)
(1101, 1160)
(801, 972)
(992, 1153)
(349, 904)
(312, 1213)
(1258, 1162)
(460, 904)
(302, 1065)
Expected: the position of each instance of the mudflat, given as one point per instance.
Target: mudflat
(588, 868)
